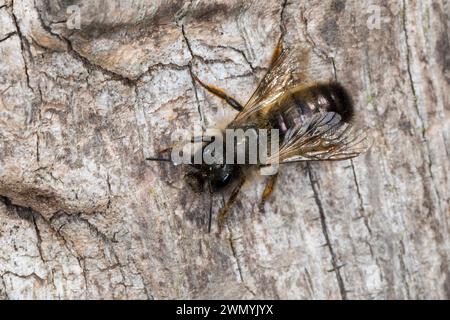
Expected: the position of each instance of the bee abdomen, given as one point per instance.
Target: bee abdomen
(322, 98)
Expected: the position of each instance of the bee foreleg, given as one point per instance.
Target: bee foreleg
(158, 157)
(224, 212)
(194, 139)
(221, 94)
(268, 190)
(165, 150)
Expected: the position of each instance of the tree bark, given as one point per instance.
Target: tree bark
(83, 215)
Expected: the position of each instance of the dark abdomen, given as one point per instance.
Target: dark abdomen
(321, 97)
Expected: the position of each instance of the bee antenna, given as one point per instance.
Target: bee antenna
(158, 159)
(210, 206)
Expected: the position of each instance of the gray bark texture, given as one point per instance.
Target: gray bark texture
(83, 215)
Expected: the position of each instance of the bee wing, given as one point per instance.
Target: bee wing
(321, 137)
(290, 69)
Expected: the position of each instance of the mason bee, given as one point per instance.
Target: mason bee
(312, 119)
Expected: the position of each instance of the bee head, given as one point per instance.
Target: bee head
(217, 175)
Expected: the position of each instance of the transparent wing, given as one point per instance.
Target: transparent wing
(292, 68)
(321, 137)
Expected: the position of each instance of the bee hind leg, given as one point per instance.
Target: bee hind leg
(268, 190)
(221, 94)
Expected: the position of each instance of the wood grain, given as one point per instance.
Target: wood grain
(82, 215)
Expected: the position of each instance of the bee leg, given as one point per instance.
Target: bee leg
(268, 190)
(160, 151)
(159, 156)
(224, 212)
(276, 53)
(221, 94)
(194, 139)
(210, 206)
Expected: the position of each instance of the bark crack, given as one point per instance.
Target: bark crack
(107, 241)
(309, 281)
(39, 239)
(23, 276)
(237, 260)
(242, 30)
(336, 268)
(404, 269)
(89, 65)
(360, 198)
(9, 35)
(156, 66)
(108, 184)
(37, 147)
(5, 292)
(314, 183)
(194, 85)
(78, 218)
(92, 66)
(23, 44)
(416, 105)
(242, 53)
(34, 216)
(284, 4)
(316, 49)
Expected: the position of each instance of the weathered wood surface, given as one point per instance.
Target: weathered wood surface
(82, 215)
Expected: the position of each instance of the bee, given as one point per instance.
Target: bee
(313, 119)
